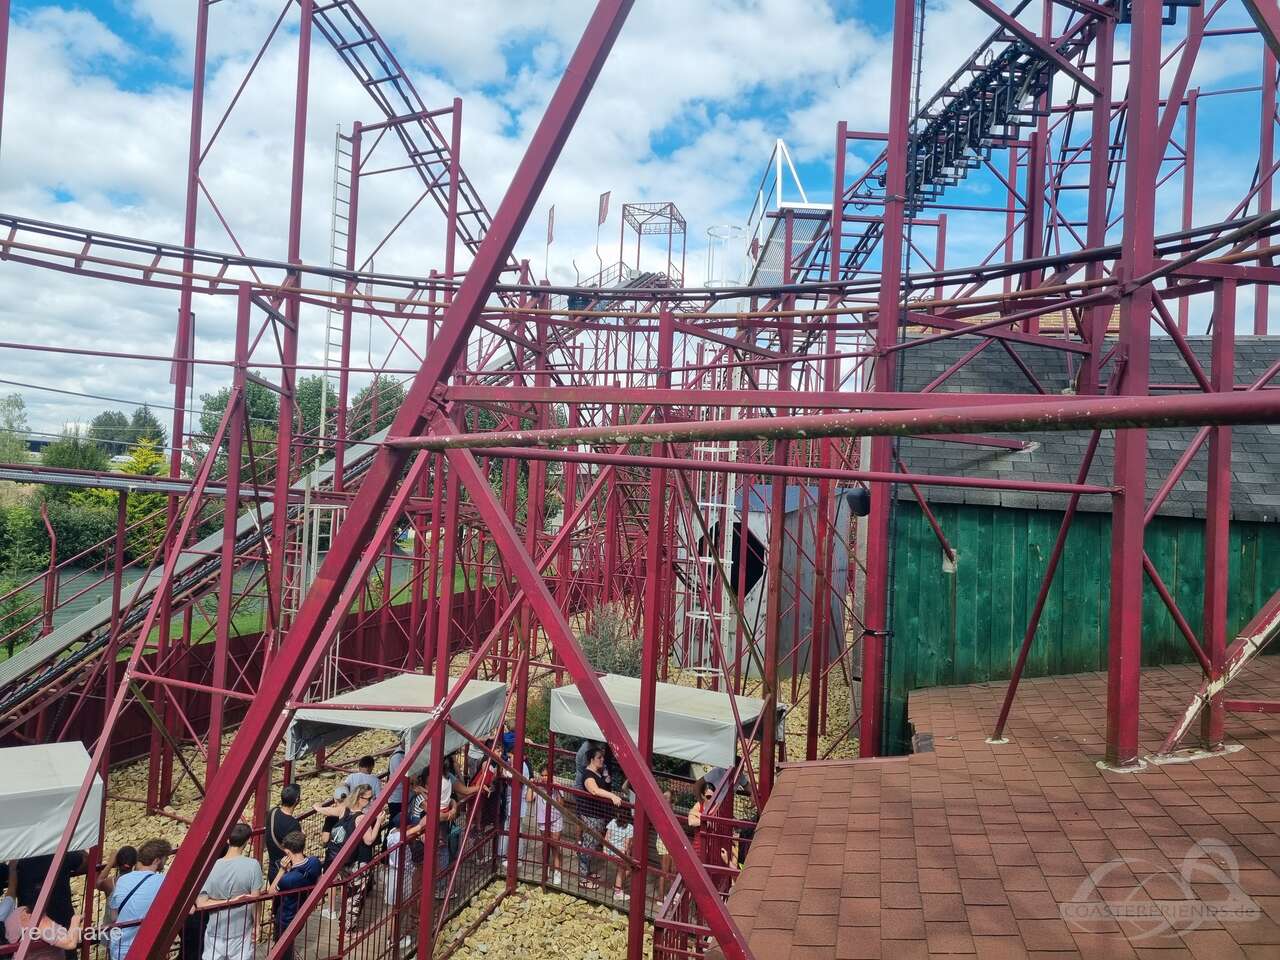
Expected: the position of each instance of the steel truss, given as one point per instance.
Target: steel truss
(564, 452)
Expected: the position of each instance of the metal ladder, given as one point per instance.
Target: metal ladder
(709, 611)
(339, 237)
(318, 522)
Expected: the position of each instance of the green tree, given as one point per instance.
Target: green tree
(264, 408)
(13, 429)
(73, 451)
(78, 529)
(144, 424)
(17, 611)
(111, 431)
(23, 544)
(264, 414)
(309, 390)
(375, 407)
(144, 512)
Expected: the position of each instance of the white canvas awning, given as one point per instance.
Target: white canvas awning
(690, 724)
(478, 711)
(37, 796)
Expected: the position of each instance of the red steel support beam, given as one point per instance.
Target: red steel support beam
(877, 632)
(1049, 414)
(1031, 38)
(1137, 258)
(4, 57)
(1266, 14)
(230, 514)
(654, 604)
(443, 634)
(1266, 178)
(186, 322)
(1097, 318)
(1217, 526)
(1188, 191)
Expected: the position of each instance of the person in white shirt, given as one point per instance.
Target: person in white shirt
(549, 820)
(620, 833)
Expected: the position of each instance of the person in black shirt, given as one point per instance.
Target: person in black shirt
(332, 813)
(31, 874)
(280, 823)
(359, 878)
(594, 810)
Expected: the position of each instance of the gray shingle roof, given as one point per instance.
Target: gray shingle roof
(1255, 493)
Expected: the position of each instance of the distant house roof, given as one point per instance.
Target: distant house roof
(1255, 489)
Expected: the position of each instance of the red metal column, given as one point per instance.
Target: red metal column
(230, 513)
(1033, 228)
(451, 212)
(252, 747)
(1137, 257)
(280, 533)
(1188, 194)
(777, 529)
(876, 634)
(443, 637)
(1266, 184)
(654, 602)
(182, 347)
(4, 57)
(1099, 190)
(160, 754)
(1217, 526)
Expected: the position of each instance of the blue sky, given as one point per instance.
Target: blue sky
(686, 110)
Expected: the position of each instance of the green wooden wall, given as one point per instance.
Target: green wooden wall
(966, 626)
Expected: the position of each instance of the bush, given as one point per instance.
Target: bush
(17, 610)
(23, 544)
(611, 643)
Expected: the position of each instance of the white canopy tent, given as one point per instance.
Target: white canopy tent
(478, 710)
(690, 724)
(37, 796)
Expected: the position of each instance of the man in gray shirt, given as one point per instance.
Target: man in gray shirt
(364, 777)
(230, 932)
(396, 804)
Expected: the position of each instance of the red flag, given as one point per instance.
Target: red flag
(551, 224)
(604, 208)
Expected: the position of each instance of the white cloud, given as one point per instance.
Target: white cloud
(686, 109)
(83, 145)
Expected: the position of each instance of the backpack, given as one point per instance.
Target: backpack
(338, 836)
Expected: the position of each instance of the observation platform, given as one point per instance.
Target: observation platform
(1027, 849)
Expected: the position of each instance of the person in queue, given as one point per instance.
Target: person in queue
(123, 862)
(593, 808)
(297, 871)
(133, 895)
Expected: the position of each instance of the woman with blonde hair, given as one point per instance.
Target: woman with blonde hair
(357, 878)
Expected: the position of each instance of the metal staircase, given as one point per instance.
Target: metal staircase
(370, 59)
(984, 105)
